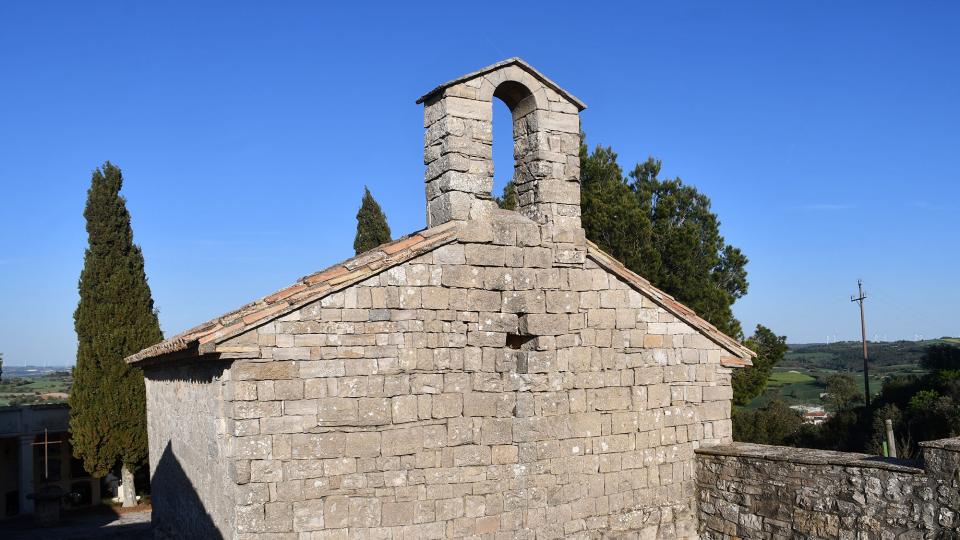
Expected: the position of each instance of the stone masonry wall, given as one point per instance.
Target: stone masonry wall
(192, 480)
(479, 390)
(754, 491)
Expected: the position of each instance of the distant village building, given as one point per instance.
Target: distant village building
(35, 455)
(815, 417)
(811, 414)
(494, 375)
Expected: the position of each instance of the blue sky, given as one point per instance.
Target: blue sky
(827, 136)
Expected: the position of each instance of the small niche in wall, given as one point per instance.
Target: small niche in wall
(517, 341)
(521, 344)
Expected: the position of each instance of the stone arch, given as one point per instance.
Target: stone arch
(523, 106)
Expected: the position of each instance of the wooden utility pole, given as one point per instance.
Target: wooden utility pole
(863, 337)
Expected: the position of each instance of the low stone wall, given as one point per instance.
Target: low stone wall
(755, 491)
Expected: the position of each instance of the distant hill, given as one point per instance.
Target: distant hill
(799, 378)
(848, 355)
(33, 371)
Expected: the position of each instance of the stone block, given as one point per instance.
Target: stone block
(496, 431)
(447, 405)
(253, 447)
(544, 324)
(258, 371)
(523, 302)
(337, 411)
(498, 322)
(402, 441)
(658, 395)
(322, 368)
(362, 444)
(484, 255)
(504, 454)
(364, 512)
(397, 513)
(562, 301)
(450, 254)
(467, 277)
(471, 455)
(717, 393)
(435, 298)
(404, 408)
(374, 411)
(318, 445)
(308, 515)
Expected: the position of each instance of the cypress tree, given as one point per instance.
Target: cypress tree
(372, 228)
(115, 318)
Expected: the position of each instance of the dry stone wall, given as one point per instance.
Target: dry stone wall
(479, 390)
(754, 491)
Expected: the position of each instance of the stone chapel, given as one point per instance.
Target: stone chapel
(494, 375)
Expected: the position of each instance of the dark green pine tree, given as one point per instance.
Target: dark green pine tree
(115, 318)
(508, 201)
(372, 228)
(750, 382)
(665, 231)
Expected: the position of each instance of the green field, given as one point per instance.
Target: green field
(783, 378)
(23, 390)
(792, 386)
(797, 380)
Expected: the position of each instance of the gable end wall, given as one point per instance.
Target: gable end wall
(396, 408)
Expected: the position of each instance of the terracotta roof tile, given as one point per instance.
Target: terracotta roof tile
(401, 245)
(289, 291)
(207, 337)
(331, 272)
(266, 312)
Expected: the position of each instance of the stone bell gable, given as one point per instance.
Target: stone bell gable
(495, 375)
(458, 117)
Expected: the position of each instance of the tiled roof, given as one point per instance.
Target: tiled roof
(669, 303)
(203, 338)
